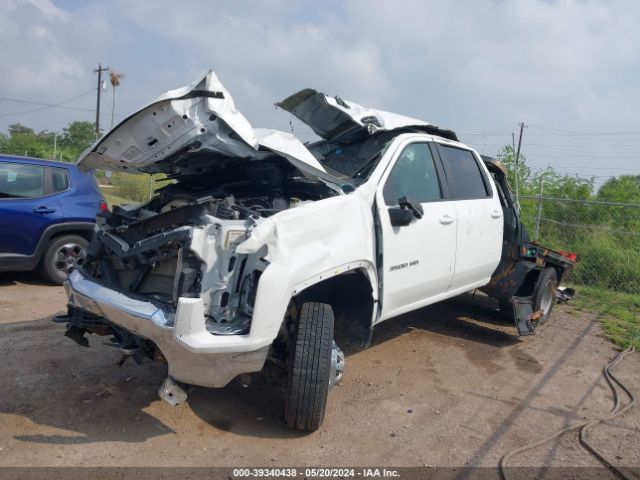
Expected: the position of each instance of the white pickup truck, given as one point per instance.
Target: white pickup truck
(263, 247)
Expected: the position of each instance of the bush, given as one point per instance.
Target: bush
(136, 187)
(607, 261)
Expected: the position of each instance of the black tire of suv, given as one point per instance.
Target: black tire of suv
(48, 263)
(309, 367)
(544, 294)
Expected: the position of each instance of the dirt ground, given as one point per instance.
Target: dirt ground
(448, 385)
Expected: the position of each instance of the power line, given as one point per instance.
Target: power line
(567, 167)
(581, 155)
(588, 134)
(46, 106)
(567, 134)
(571, 145)
(579, 132)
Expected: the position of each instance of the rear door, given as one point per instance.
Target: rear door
(26, 209)
(479, 216)
(418, 259)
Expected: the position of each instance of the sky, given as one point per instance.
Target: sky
(568, 69)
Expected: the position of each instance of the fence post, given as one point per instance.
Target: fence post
(150, 186)
(536, 233)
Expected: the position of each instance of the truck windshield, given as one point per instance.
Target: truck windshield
(357, 159)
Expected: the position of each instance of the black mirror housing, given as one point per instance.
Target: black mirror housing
(400, 217)
(416, 208)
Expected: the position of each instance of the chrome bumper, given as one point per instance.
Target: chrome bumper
(194, 355)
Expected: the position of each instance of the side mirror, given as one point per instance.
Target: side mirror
(400, 217)
(416, 209)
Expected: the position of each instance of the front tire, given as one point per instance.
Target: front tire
(62, 254)
(309, 367)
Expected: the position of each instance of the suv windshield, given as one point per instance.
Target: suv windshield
(355, 160)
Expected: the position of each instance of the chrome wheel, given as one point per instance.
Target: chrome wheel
(547, 299)
(544, 295)
(337, 365)
(67, 256)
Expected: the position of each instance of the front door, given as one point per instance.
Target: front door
(418, 258)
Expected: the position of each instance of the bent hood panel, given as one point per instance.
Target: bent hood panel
(290, 147)
(333, 118)
(200, 116)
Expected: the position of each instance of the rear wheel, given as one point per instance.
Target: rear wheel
(63, 253)
(310, 361)
(544, 294)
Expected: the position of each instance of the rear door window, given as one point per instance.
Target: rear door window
(21, 181)
(464, 177)
(59, 179)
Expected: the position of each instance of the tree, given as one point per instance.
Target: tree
(76, 137)
(23, 140)
(561, 185)
(19, 129)
(507, 157)
(625, 188)
(114, 79)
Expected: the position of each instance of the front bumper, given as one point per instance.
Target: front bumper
(194, 355)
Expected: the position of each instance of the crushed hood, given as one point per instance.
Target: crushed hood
(199, 117)
(336, 119)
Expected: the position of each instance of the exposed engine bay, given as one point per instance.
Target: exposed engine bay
(182, 242)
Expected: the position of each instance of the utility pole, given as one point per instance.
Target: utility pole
(515, 170)
(99, 71)
(517, 163)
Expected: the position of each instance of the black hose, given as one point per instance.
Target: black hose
(615, 412)
(585, 425)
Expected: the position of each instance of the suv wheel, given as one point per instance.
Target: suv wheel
(63, 253)
(544, 295)
(310, 368)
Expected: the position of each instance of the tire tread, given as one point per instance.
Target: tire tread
(310, 367)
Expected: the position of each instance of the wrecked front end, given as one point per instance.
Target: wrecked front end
(165, 279)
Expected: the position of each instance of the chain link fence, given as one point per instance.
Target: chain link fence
(604, 235)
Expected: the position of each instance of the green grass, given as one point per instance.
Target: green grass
(115, 200)
(619, 313)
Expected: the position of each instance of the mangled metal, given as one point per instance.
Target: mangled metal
(170, 270)
(336, 119)
(200, 117)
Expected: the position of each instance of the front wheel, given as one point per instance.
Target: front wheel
(310, 367)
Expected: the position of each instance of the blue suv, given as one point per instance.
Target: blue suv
(47, 215)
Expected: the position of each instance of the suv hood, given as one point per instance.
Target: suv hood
(335, 119)
(199, 117)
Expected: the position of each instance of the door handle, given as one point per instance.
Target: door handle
(496, 214)
(43, 210)
(446, 220)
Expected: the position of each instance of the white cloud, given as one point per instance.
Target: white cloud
(262, 57)
(32, 57)
(471, 65)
